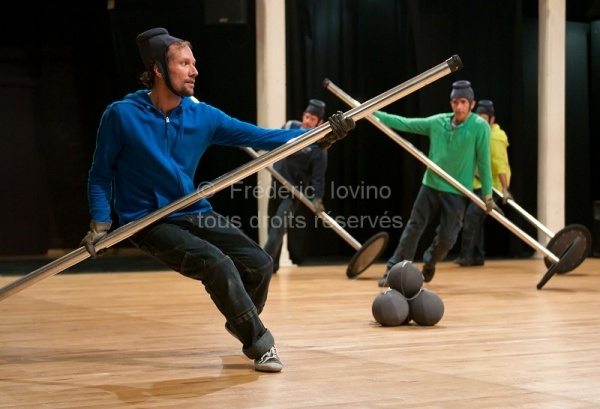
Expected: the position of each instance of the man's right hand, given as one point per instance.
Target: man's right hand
(97, 232)
(318, 203)
(490, 204)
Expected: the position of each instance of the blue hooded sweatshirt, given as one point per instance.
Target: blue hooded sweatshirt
(150, 159)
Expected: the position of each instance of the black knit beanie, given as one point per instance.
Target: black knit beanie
(316, 107)
(462, 89)
(485, 106)
(153, 45)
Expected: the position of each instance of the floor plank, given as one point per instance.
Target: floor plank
(153, 339)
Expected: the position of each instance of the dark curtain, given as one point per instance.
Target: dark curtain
(65, 71)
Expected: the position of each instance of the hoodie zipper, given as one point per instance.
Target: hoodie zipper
(170, 143)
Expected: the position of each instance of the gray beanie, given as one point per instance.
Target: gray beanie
(316, 107)
(153, 45)
(462, 89)
(485, 106)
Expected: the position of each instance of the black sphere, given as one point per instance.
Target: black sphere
(406, 278)
(426, 308)
(390, 308)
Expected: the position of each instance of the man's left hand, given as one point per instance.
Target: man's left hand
(506, 195)
(340, 126)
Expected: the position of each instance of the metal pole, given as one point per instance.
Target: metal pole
(450, 65)
(366, 253)
(527, 216)
(428, 162)
(322, 215)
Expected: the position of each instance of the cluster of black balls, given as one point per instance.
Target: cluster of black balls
(406, 300)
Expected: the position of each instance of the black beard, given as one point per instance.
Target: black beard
(183, 92)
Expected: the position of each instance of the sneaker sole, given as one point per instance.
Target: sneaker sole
(270, 367)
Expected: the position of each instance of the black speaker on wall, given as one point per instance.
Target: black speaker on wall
(225, 11)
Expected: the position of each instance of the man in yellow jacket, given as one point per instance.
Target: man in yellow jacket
(472, 244)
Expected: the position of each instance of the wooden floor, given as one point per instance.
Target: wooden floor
(155, 340)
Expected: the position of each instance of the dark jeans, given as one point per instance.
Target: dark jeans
(472, 242)
(234, 270)
(428, 203)
(281, 213)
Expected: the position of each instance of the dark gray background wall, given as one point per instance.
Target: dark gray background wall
(62, 63)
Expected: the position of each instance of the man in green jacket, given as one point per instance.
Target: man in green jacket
(472, 250)
(459, 142)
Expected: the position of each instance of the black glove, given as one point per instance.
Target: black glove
(490, 204)
(97, 231)
(318, 203)
(340, 126)
(506, 195)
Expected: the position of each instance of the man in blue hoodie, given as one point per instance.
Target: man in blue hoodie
(148, 147)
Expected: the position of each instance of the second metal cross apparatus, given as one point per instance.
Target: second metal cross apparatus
(566, 250)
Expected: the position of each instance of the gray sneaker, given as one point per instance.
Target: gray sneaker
(269, 362)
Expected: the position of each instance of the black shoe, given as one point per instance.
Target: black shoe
(383, 280)
(464, 262)
(468, 262)
(428, 273)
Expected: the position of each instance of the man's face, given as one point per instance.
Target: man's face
(182, 70)
(486, 117)
(461, 108)
(310, 120)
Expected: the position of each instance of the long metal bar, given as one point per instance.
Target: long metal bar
(527, 216)
(450, 65)
(330, 221)
(428, 162)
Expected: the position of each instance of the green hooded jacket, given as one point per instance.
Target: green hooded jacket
(458, 151)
